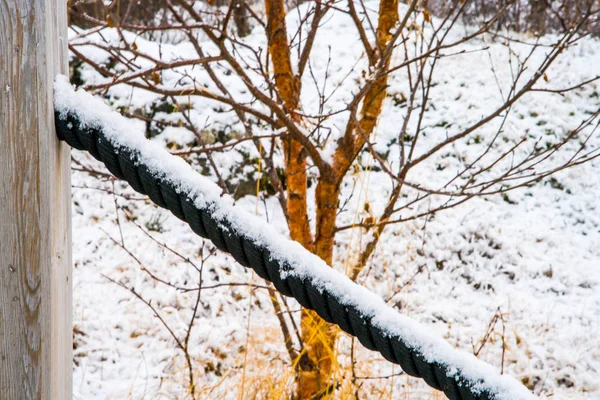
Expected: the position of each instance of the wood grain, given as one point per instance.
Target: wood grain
(35, 230)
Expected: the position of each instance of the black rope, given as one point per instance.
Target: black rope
(124, 164)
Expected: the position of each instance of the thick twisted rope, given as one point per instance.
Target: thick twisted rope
(126, 164)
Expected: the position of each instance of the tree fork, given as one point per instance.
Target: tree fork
(319, 337)
(314, 376)
(314, 364)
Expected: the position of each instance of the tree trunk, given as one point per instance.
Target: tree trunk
(315, 367)
(318, 336)
(537, 16)
(288, 88)
(240, 17)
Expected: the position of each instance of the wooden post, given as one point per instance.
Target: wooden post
(35, 227)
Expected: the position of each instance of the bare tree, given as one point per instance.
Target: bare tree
(395, 40)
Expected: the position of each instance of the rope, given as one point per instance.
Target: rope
(125, 165)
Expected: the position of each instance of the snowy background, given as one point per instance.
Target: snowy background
(514, 278)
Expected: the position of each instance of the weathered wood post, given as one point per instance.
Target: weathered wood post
(35, 227)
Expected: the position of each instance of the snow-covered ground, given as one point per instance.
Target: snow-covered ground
(515, 278)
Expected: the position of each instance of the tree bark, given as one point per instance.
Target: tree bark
(240, 17)
(288, 88)
(312, 368)
(315, 367)
(537, 16)
(319, 336)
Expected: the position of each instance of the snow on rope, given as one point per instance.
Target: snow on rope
(86, 123)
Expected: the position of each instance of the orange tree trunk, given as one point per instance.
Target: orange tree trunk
(319, 335)
(315, 366)
(288, 89)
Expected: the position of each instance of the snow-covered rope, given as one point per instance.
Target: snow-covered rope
(86, 123)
